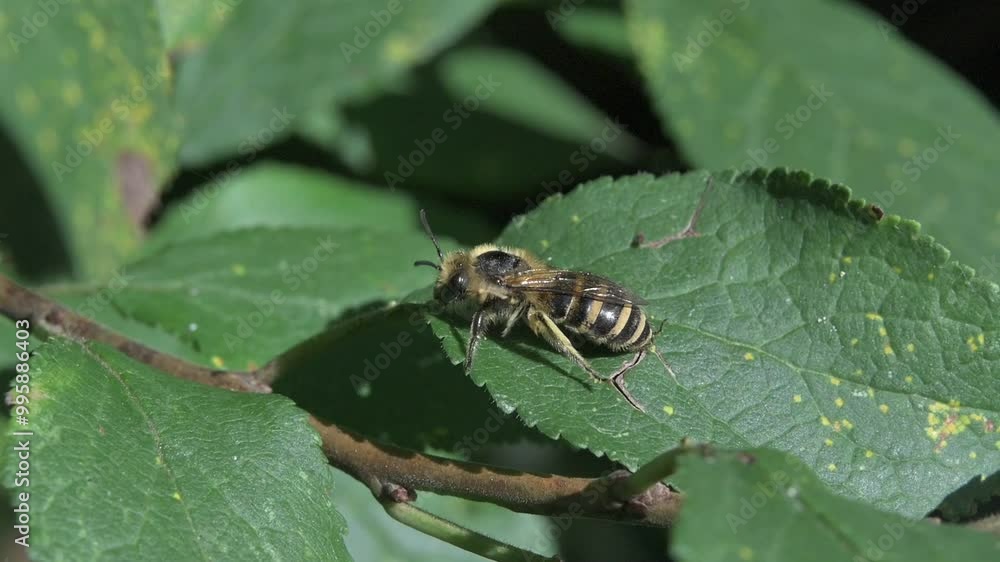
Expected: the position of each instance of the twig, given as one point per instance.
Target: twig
(378, 464)
(17, 302)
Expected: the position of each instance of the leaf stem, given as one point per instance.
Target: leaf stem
(451, 533)
(651, 473)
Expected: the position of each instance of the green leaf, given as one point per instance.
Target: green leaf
(274, 195)
(749, 84)
(475, 99)
(376, 536)
(765, 505)
(601, 28)
(101, 138)
(315, 54)
(242, 297)
(128, 463)
(794, 321)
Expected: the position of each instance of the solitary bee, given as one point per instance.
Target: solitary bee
(510, 284)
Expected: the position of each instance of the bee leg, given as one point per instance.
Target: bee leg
(618, 379)
(664, 361)
(513, 319)
(475, 334)
(541, 324)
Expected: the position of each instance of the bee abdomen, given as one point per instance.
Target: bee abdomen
(620, 327)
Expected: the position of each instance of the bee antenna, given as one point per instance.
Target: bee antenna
(660, 328)
(427, 227)
(430, 263)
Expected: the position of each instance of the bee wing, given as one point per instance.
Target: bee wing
(566, 282)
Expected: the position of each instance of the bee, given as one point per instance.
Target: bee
(510, 284)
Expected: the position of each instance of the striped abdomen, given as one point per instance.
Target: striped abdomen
(622, 327)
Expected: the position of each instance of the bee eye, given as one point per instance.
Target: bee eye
(453, 289)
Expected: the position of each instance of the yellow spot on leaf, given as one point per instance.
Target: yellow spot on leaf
(847, 423)
(907, 147)
(882, 331)
(797, 398)
(239, 269)
(669, 410)
(858, 372)
(68, 57)
(72, 94)
(746, 553)
(176, 496)
(847, 259)
(888, 350)
(828, 442)
(874, 316)
(400, 50)
(897, 269)
(908, 378)
(748, 356)
(869, 454)
(854, 342)
(545, 244)
(26, 100)
(575, 219)
(218, 362)
(973, 346)
(884, 408)
(997, 444)
(824, 420)
(48, 140)
(839, 402)
(833, 278)
(871, 392)
(834, 381)
(930, 276)
(981, 338)
(910, 347)
(972, 455)
(831, 467)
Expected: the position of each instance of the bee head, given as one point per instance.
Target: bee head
(453, 281)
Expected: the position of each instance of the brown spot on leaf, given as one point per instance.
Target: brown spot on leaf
(137, 187)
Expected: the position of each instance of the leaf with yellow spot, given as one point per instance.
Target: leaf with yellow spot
(147, 446)
(722, 296)
(730, 62)
(101, 172)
